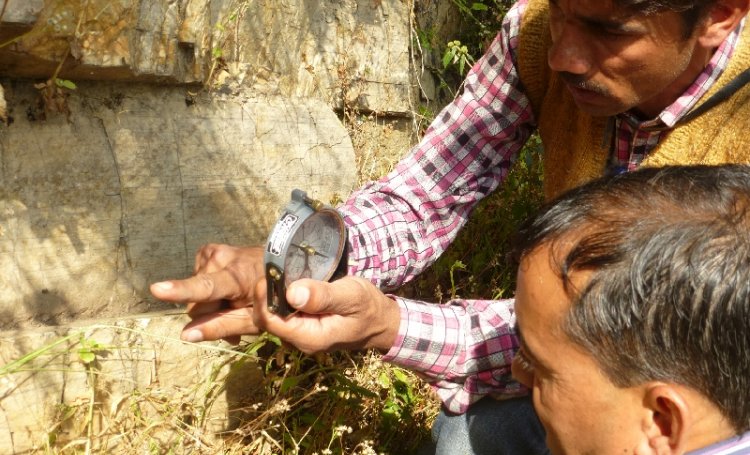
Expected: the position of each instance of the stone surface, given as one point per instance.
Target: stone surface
(22, 12)
(353, 52)
(94, 208)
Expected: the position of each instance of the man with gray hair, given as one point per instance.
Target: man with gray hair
(633, 313)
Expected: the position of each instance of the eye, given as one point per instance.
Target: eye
(610, 32)
(523, 362)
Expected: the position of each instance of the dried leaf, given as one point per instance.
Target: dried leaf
(3, 106)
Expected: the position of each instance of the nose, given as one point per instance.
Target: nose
(569, 52)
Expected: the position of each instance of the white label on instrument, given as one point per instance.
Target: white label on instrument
(281, 233)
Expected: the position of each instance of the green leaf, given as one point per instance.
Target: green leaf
(449, 54)
(391, 408)
(351, 386)
(289, 383)
(65, 84)
(86, 356)
(479, 7)
(273, 339)
(217, 52)
(401, 376)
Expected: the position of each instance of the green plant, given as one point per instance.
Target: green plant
(457, 265)
(481, 22)
(337, 404)
(225, 41)
(401, 395)
(457, 54)
(89, 350)
(66, 26)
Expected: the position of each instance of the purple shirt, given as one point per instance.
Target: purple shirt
(400, 224)
(738, 445)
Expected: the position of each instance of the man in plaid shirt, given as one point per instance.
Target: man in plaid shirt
(627, 60)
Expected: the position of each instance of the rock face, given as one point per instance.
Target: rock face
(124, 184)
(94, 208)
(337, 51)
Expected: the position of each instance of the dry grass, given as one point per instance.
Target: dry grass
(258, 398)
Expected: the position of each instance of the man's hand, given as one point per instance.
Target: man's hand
(221, 293)
(226, 298)
(350, 313)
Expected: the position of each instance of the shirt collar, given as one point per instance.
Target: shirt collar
(732, 446)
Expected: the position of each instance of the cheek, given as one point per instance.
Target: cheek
(637, 76)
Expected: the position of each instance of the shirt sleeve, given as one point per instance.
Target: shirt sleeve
(463, 349)
(400, 224)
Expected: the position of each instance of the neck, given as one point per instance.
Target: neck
(708, 425)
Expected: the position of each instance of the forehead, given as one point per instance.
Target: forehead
(542, 305)
(541, 300)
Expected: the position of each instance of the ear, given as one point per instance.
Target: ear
(723, 17)
(668, 422)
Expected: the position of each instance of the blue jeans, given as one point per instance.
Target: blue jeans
(497, 427)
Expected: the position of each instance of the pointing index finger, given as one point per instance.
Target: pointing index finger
(204, 287)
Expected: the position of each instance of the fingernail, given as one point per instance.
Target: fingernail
(192, 336)
(164, 285)
(300, 296)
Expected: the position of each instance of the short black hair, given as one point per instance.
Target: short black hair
(668, 298)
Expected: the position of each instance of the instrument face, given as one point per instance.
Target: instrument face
(307, 242)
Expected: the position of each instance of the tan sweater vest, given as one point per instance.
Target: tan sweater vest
(575, 146)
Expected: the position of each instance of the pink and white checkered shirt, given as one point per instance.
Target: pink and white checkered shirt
(400, 224)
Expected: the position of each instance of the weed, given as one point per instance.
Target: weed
(458, 54)
(226, 43)
(481, 22)
(338, 403)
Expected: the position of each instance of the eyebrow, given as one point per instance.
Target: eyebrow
(528, 352)
(608, 24)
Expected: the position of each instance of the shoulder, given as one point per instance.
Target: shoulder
(533, 43)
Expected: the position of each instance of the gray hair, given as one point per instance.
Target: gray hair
(668, 298)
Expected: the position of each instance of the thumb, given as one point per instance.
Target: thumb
(350, 313)
(320, 297)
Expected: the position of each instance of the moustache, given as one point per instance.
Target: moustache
(579, 82)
